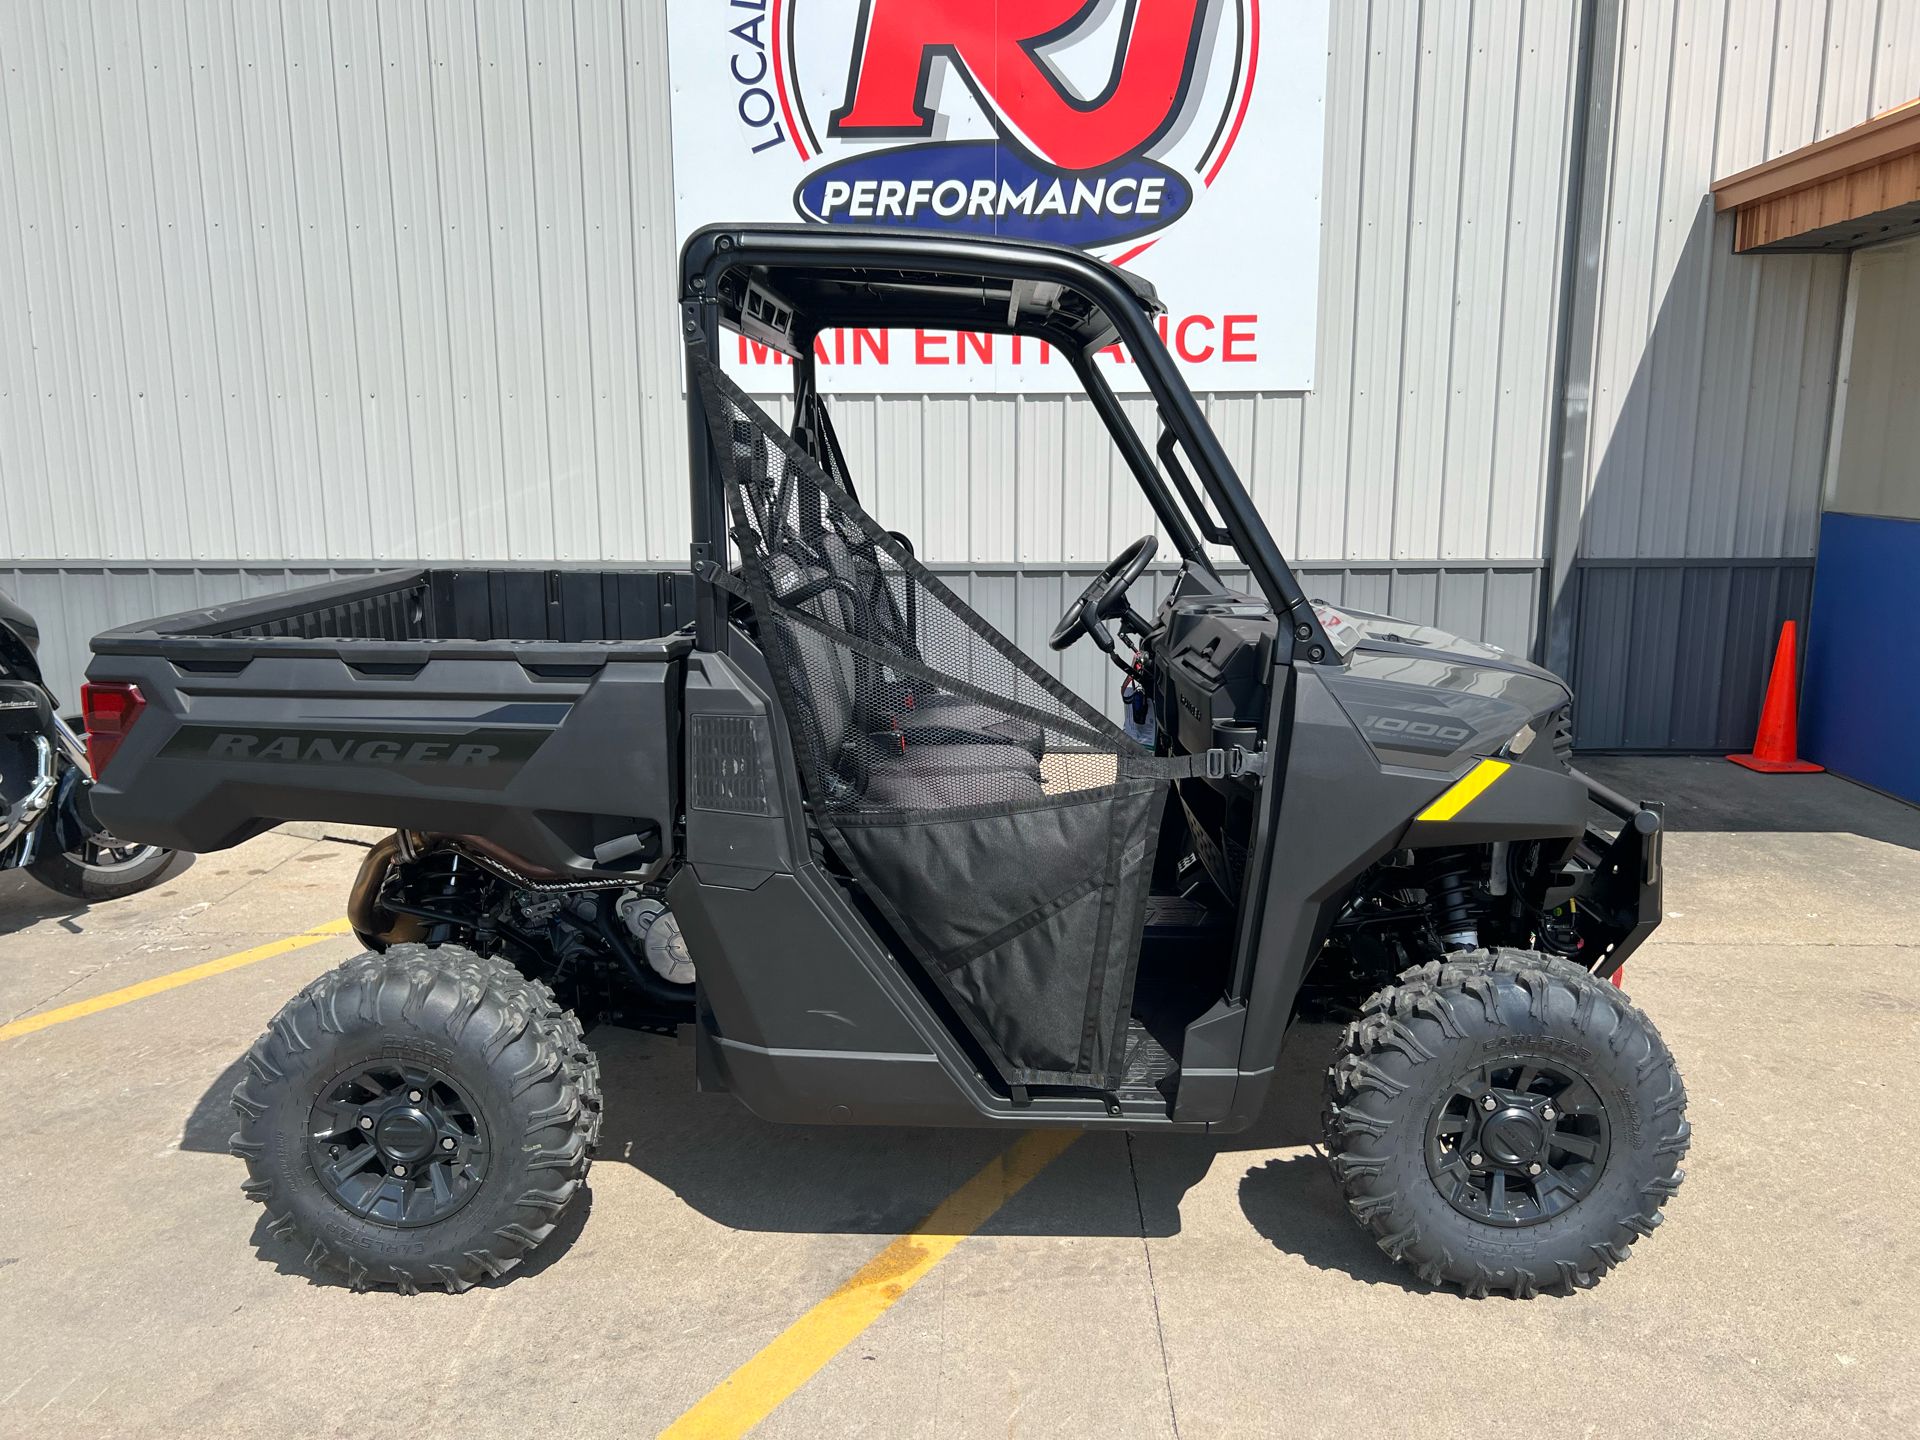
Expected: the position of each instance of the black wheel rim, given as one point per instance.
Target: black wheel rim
(1519, 1140)
(397, 1143)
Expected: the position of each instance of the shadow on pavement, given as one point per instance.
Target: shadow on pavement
(287, 1258)
(24, 902)
(1706, 793)
(1292, 1201)
(210, 1124)
(748, 1174)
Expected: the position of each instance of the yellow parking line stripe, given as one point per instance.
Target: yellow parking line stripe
(757, 1388)
(1464, 791)
(173, 981)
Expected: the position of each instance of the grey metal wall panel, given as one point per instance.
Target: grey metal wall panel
(1713, 373)
(379, 280)
(73, 603)
(1497, 602)
(1674, 656)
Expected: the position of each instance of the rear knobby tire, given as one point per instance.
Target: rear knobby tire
(564, 1029)
(1399, 1070)
(518, 1060)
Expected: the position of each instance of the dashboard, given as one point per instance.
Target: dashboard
(1213, 656)
(1213, 663)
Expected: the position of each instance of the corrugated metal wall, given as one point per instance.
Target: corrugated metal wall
(348, 282)
(1712, 373)
(1673, 655)
(75, 602)
(310, 281)
(323, 281)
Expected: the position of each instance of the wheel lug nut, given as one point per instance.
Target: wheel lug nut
(415, 1096)
(1476, 1158)
(366, 1122)
(1489, 1103)
(447, 1144)
(1534, 1169)
(400, 1170)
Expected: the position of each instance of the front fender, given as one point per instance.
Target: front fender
(1502, 800)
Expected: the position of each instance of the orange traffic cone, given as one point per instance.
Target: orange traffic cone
(1776, 747)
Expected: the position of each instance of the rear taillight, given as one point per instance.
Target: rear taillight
(110, 707)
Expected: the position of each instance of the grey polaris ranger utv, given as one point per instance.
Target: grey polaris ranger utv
(809, 800)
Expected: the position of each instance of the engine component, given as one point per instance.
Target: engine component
(1497, 870)
(26, 772)
(585, 943)
(536, 907)
(658, 934)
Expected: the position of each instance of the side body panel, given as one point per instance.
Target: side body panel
(1339, 810)
(804, 1013)
(549, 768)
(1350, 795)
(523, 707)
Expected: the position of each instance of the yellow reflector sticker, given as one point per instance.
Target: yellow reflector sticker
(1464, 791)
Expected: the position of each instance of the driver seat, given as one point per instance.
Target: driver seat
(913, 713)
(868, 731)
(935, 765)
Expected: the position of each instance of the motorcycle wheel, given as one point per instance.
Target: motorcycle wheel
(104, 868)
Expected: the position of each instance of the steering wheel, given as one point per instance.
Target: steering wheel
(1104, 598)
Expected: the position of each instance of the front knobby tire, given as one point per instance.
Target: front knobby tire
(419, 1117)
(1505, 1122)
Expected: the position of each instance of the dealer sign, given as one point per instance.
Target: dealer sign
(1179, 138)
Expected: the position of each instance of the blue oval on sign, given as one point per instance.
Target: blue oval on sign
(978, 187)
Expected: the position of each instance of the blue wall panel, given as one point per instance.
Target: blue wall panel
(1860, 699)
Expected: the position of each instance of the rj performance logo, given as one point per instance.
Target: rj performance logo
(1083, 122)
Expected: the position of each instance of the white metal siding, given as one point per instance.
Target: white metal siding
(354, 281)
(1713, 374)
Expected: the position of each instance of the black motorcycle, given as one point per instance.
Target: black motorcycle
(46, 818)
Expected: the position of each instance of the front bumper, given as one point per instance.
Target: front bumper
(1613, 880)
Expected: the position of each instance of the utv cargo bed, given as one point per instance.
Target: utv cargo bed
(534, 710)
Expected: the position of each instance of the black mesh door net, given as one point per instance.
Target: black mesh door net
(1004, 827)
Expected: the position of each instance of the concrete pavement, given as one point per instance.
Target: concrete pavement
(1152, 1286)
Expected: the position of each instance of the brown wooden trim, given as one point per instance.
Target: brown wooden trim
(1877, 141)
(1884, 186)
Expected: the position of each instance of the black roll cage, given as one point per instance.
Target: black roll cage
(785, 284)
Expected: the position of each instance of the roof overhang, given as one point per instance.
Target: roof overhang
(1859, 187)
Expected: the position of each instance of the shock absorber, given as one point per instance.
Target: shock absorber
(450, 892)
(1449, 877)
